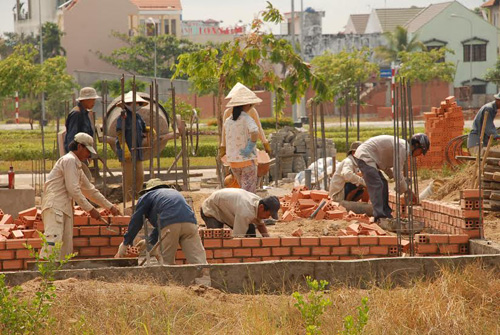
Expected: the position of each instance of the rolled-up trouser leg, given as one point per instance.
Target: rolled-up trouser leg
(58, 229)
(375, 185)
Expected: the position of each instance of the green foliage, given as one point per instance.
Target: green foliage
(18, 72)
(493, 74)
(313, 305)
(342, 71)
(424, 66)
(52, 40)
(114, 86)
(267, 122)
(355, 327)
(19, 315)
(182, 108)
(138, 56)
(398, 40)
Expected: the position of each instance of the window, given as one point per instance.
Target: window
(173, 23)
(478, 50)
(167, 27)
(435, 47)
(479, 89)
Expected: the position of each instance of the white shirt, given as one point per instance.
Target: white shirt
(378, 152)
(235, 207)
(67, 182)
(252, 112)
(346, 172)
(236, 136)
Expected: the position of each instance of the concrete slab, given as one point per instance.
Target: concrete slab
(94, 263)
(16, 200)
(279, 276)
(484, 247)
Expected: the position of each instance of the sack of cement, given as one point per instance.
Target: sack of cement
(300, 178)
(432, 188)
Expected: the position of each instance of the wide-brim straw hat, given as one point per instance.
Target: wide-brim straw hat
(241, 95)
(88, 93)
(154, 184)
(129, 98)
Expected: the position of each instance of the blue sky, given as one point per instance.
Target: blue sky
(231, 11)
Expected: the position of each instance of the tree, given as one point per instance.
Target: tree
(114, 86)
(493, 74)
(398, 40)
(138, 56)
(52, 41)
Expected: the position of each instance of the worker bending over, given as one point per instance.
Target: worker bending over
(490, 129)
(346, 182)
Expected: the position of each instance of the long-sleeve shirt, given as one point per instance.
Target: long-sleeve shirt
(163, 204)
(379, 153)
(78, 121)
(490, 129)
(67, 182)
(235, 207)
(140, 131)
(346, 172)
(254, 115)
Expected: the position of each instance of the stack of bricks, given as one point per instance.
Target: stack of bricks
(302, 203)
(441, 125)
(441, 244)
(448, 218)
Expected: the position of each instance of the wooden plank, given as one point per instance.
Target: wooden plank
(495, 196)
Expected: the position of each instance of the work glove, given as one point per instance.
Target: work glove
(267, 147)
(114, 210)
(127, 155)
(222, 152)
(122, 251)
(248, 149)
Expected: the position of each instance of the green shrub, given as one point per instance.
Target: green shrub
(313, 305)
(355, 327)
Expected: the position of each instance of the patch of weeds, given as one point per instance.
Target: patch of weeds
(355, 326)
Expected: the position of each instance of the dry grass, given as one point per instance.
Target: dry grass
(458, 302)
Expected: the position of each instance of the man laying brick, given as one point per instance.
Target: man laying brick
(346, 182)
(490, 129)
(172, 219)
(378, 153)
(240, 210)
(65, 183)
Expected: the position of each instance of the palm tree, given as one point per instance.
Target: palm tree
(398, 41)
(52, 40)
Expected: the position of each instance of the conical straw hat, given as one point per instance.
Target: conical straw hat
(242, 95)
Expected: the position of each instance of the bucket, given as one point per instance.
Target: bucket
(263, 163)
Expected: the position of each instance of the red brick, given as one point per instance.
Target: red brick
(179, 255)
(261, 252)
(115, 241)
(271, 242)
(243, 252)
(317, 251)
(301, 251)
(7, 254)
(438, 238)
(120, 220)
(340, 250)
(23, 254)
(80, 242)
(470, 214)
(318, 195)
(250, 242)
(329, 258)
(231, 243)
(379, 250)
(310, 258)
(212, 243)
(209, 254)
(108, 251)
(34, 242)
(80, 221)
(309, 241)
(15, 244)
(232, 260)
(458, 239)
(215, 261)
(268, 259)
(280, 251)
(252, 259)
(223, 253)
(291, 258)
(360, 250)
(472, 233)
(427, 248)
(28, 212)
(368, 240)
(99, 241)
(17, 234)
(320, 215)
(88, 252)
(2, 244)
(449, 249)
(89, 231)
(469, 193)
(106, 232)
(348, 240)
(387, 240)
(17, 264)
(76, 231)
(329, 241)
(290, 241)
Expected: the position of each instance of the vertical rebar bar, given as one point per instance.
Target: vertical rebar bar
(104, 134)
(123, 144)
(323, 144)
(396, 168)
(157, 107)
(358, 104)
(134, 141)
(174, 122)
(151, 131)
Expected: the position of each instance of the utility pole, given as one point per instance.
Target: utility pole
(292, 31)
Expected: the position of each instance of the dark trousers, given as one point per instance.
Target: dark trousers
(378, 189)
(213, 223)
(357, 192)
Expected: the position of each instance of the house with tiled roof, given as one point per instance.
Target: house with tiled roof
(356, 24)
(383, 20)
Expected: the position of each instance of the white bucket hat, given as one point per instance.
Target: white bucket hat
(88, 93)
(242, 95)
(86, 140)
(129, 98)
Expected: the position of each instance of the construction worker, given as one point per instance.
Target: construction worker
(80, 119)
(346, 182)
(240, 210)
(172, 219)
(239, 137)
(124, 152)
(477, 124)
(378, 153)
(65, 183)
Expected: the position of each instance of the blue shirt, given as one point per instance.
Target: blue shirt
(78, 121)
(490, 129)
(164, 203)
(141, 129)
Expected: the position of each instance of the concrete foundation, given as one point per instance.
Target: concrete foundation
(16, 200)
(483, 247)
(279, 276)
